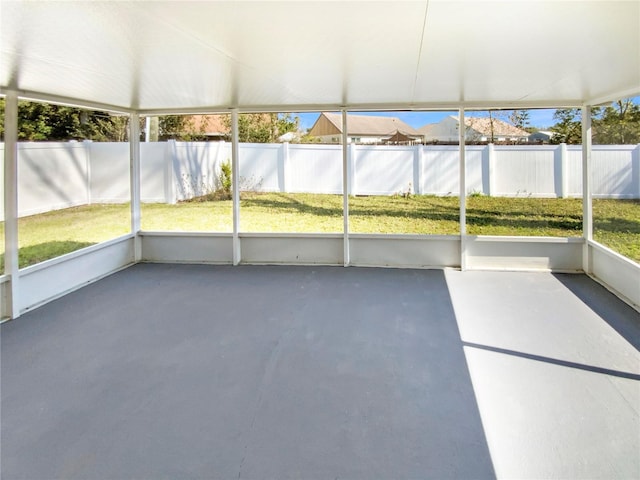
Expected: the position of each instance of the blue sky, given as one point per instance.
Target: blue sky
(539, 118)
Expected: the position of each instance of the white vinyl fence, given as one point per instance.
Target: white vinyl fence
(54, 175)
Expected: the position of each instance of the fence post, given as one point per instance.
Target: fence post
(283, 165)
(417, 169)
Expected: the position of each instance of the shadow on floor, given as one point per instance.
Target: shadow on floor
(620, 316)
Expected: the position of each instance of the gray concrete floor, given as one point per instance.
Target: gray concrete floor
(186, 371)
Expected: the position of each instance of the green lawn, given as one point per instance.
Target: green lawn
(616, 222)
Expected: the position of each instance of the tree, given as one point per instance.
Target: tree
(568, 127)
(43, 121)
(110, 128)
(179, 127)
(619, 123)
(263, 127)
(492, 126)
(519, 118)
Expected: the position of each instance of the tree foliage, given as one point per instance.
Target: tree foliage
(568, 127)
(519, 118)
(43, 121)
(618, 123)
(180, 127)
(264, 127)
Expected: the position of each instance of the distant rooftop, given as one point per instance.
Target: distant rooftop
(371, 125)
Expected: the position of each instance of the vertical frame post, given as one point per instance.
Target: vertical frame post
(345, 187)
(11, 265)
(463, 190)
(587, 205)
(235, 189)
(134, 179)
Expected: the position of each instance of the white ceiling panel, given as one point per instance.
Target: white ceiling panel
(187, 56)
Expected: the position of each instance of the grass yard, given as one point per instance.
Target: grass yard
(616, 222)
(49, 235)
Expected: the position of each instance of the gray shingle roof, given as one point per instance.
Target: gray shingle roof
(483, 126)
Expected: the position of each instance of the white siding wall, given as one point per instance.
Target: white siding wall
(444, 131)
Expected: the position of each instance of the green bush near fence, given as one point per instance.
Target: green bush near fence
(616, 222)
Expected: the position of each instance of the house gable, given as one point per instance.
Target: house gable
(325, 126)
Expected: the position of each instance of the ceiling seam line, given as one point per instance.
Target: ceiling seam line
(424, 29)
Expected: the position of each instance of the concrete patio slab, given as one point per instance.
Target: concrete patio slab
(193, 371)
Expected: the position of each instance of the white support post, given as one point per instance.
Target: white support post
(235, 176)
(134, 179)
(463, 191)
(587, 207)
(11, 265)
(346, 177)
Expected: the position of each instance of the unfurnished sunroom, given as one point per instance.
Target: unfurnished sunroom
(474, 356)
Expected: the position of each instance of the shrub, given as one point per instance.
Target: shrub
(225, 181)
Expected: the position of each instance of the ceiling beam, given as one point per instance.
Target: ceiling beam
(66, 101)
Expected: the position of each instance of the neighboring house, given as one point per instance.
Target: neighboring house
(291, 137)
(363, 129)
(210, 126)
(541, 136)
(477, 129)
(430, 130)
